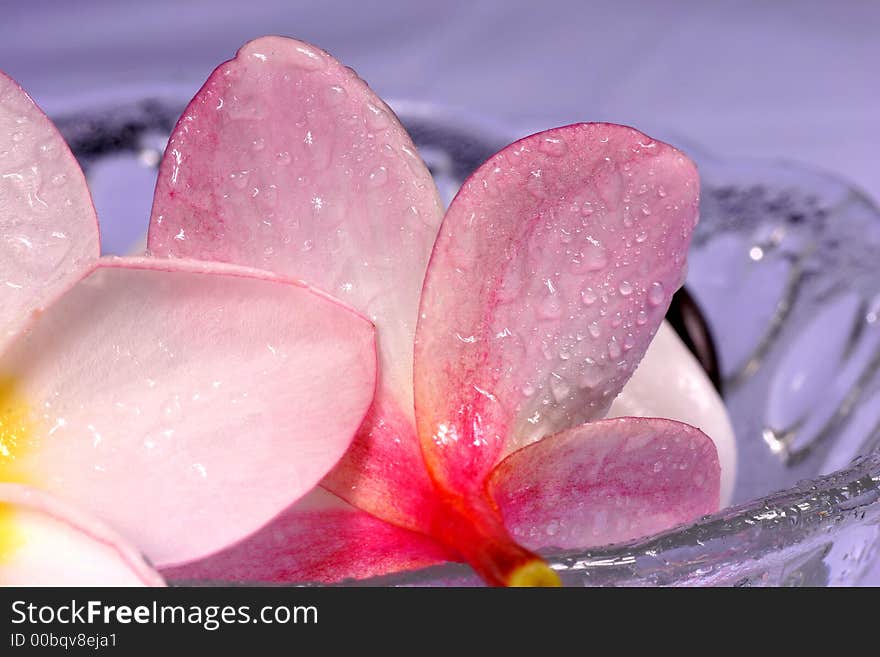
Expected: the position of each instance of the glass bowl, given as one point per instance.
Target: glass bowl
(783, 265)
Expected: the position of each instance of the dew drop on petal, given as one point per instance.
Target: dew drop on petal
(589, 296)
(553, 146)
(378, 177)
(559, 387)
(613, 349)
(656, 294)
(376, 117)
(334, 94)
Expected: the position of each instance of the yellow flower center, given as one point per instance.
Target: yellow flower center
(10, 536)
(15, 431)
(15, 439)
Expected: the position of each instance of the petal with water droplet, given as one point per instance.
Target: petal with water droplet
(470, 403)
(354, 211)
(184, 403)
(48, 227)
(319, 539)
(607, 482)
(46, 542)
(670, 383)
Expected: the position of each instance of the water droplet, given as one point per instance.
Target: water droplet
(613, 349)
(258, 144)
(661, 192)
(641, 236)
(642, 318)
(378, 177)
(17, 136)
(49, 150)
(535, 185)
(589, 296)
(587, 209)
(646, 210)
(375, 117)
(307, 59)
(334, 94)
(528, 390)
(490, 186)
(171, 406)
(283, 158)
(270, 196)
(629, 342)
(59, 179)
(594, 329)
(559, 387)
(592, 258)
(239, 179)
(625, 288)
(656, 294)
(617, 320)
(553, 146)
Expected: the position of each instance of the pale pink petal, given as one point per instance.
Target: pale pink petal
(287, 161)
(186, 403)
(553, 269)
(318, 539)
(48, 228)
(45, 542)
(607, 482)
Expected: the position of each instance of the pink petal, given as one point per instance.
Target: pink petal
(186, 403)
(44, 542)
(671, 383)
(607, 482)
(48, 228)
(383, 471)
(318, 539)
(287, 161)
(554, 266)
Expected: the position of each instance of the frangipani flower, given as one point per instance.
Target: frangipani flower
(551, 271)
(181, 403)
